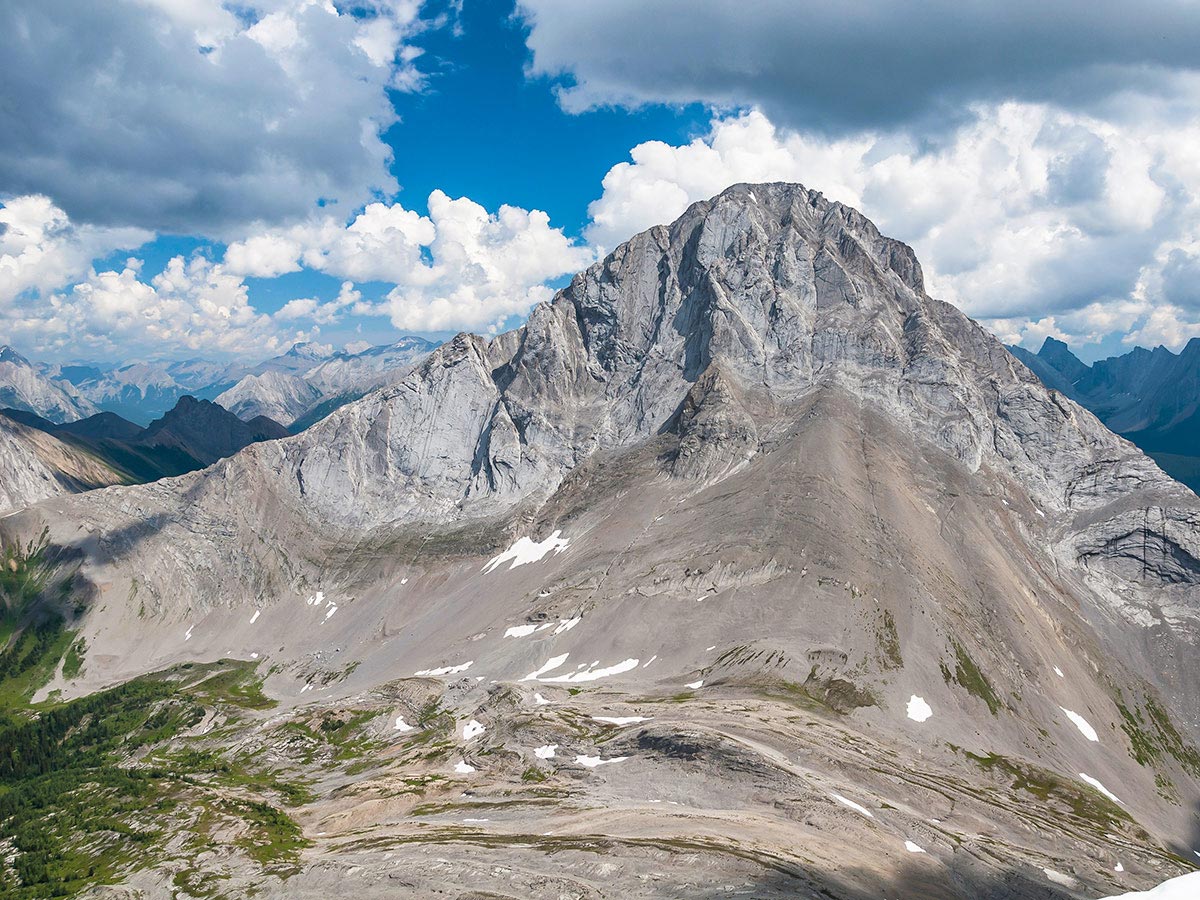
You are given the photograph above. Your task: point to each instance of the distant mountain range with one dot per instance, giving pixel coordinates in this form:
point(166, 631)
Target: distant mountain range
point(296, 388)
point(192, 435)
point(301, 383)
point(1151, 397)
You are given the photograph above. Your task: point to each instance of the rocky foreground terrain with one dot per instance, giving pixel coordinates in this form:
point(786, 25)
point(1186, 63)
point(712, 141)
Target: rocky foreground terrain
point(744, 568)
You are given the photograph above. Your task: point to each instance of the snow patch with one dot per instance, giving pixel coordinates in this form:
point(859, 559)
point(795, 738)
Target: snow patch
point(918, 709)
point(1059, 878)
point(565, 625)
point(621, 720)
point(546, 751)
point(854, 806)
point(1118, 868)
point(188, 636)
point(549, 665)
point(463, 768)
point(540, 700)
point(526, 550)
point(521, 630)
point(444, 670)
point(592, 761)
point(254, 618)
point(1082, 724)
point(1185, 887)
point(695, 685)
point(401, 725)
point(592, 673)
point(1094, 782)
point(913, 848)
point(650, 660)
point(472, 729)
point(329, 613)
point(1059, 672)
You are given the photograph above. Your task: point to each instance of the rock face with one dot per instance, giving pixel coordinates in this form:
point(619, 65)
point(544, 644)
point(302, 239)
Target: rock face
point(807, 555)
point(23, 387)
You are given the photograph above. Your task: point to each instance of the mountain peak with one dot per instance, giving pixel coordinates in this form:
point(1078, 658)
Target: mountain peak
point(309, 350)
point(8, 354)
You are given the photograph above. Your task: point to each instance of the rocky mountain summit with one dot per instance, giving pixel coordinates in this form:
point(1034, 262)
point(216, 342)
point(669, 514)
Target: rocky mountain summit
point(743, 567)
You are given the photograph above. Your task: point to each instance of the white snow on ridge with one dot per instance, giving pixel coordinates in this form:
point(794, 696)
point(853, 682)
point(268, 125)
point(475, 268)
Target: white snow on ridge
point(567, 624)
point(520, 630)
point(540, 700)
point(1094, 782)
point(592, 761)
point(621, 720)
point(444, 670)
point(1082, 724)
point(695, 685)
point(526, 550)
point(472, 730)
point(401, 725)
point(517, 631)
point(854, 806)
point(1185, 887)
point(913, 848)
point(918, 709)
point(463, 768)
point(546, 751)
point(553, 663)
point(1059, 878)
point(592, 674)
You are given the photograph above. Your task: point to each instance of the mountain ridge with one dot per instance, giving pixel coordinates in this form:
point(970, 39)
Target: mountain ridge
point(915, 567)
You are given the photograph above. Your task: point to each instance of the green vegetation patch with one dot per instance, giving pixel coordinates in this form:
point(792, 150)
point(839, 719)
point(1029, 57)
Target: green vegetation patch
point(970, 678)
point(1152, 735)
point(1084, 802)
point(94, 788)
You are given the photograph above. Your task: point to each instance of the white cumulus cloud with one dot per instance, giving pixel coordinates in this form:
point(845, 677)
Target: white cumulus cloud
point(199, 116)
point(459, 267)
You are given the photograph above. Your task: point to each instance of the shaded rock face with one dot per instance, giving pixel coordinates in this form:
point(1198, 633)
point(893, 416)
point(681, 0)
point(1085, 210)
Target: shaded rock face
point(1152, 397)
point(35, 466)
point(206, 431)
point(743, 478)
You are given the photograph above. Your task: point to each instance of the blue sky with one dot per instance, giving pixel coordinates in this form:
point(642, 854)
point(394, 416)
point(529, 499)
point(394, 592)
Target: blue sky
point(185, 177)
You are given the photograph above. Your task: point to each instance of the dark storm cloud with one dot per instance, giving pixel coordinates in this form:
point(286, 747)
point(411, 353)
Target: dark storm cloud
point(855, 65)
point(121, 114)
